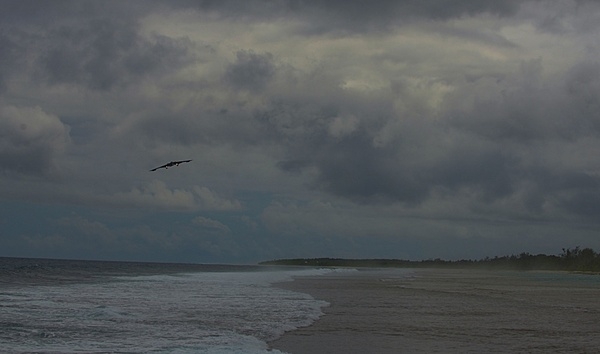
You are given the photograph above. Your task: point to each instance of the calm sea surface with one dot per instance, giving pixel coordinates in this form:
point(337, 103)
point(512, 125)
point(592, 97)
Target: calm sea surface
point(56, 306)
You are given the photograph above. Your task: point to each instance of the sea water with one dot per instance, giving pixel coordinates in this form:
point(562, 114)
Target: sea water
point(109, 307)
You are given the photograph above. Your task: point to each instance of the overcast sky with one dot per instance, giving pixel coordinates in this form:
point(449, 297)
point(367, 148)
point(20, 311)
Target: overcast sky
point(400, 129)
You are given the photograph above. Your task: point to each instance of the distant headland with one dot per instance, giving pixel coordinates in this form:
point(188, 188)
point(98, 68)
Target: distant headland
point(571, 259)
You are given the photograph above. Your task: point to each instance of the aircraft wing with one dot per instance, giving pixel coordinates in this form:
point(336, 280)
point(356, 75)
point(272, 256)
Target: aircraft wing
point(170, 164)
point(159, 167)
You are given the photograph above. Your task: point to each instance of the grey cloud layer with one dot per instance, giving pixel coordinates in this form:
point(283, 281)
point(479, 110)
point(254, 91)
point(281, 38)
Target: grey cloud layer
point(102, 55)
point(30, 140)
point(351, 15)
point(383, 108)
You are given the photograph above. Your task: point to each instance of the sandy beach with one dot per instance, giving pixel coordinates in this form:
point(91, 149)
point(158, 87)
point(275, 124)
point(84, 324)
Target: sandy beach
point(449, 311)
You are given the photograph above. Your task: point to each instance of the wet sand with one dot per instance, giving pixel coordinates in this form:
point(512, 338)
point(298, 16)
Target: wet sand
point(449, 311)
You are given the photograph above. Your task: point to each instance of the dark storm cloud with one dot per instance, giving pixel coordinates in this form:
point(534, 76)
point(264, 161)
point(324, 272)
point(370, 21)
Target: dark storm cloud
point(10, 52)
point(490, 171)
point(357, 170)
point(394, 11)
point(94, 44)
point(583, 91)
point(251, 71)
point(585, 203)
point(194, 126)
point(104, 53)
point(354, 168)
point(336, 15)
point(30, 140)
point(29, 14)
point(351, 165)
point(486, 150)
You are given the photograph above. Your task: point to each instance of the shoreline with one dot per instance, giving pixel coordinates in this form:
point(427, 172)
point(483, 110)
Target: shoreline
point(439, 311)
point(339, 329)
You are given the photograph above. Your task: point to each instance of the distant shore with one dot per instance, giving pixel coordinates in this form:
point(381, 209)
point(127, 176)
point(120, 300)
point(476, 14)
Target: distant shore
point(575, 259)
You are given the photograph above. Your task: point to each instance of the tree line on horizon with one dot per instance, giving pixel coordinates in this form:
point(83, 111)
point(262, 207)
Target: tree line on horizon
point(571, 259)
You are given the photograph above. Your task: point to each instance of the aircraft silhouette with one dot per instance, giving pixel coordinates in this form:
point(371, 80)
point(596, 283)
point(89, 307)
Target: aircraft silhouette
point(170, 164)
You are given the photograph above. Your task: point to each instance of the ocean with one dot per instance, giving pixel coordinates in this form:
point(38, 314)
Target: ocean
point(57, 306)
point(62, 306)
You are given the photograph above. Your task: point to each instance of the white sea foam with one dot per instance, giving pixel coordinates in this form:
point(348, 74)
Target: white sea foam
point(206, 312)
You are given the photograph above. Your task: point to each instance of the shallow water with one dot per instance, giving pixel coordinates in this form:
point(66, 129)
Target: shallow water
point(99, 307)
